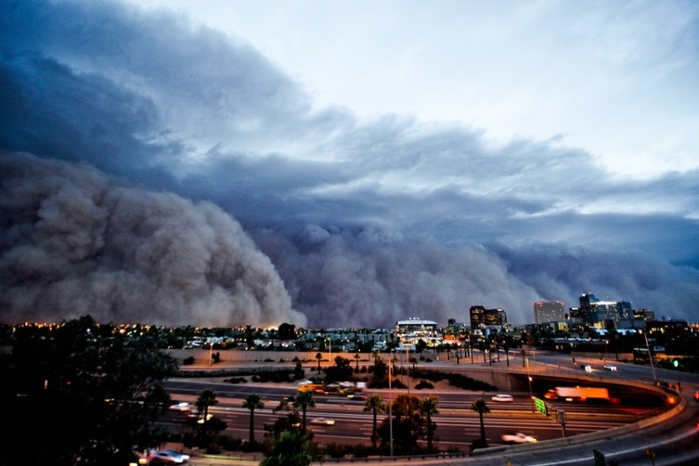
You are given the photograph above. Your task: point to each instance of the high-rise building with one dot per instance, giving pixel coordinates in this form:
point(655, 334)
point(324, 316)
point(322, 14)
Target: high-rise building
point(480, 316)
point(603, 313)
point(644, 314)
point(548, 311)
point(502, 316)
point(477, 315)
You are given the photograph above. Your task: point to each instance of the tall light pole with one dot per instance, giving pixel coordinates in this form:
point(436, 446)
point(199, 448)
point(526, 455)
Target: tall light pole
point(407, 360)
point(650, 356)
point(330, 351)
point(390, 405)
point(529, 378)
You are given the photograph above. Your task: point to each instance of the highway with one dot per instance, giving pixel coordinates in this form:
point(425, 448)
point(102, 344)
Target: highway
point(675, 442)
point(457, 424)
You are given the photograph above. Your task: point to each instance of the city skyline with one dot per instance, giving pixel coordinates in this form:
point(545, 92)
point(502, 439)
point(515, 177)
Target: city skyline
point(345, 163)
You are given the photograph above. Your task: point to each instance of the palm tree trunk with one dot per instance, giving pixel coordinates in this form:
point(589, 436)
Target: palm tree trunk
point(480, 415)
point(304, 419)
point(429, 432)
point(252, 425)
point(373, 432)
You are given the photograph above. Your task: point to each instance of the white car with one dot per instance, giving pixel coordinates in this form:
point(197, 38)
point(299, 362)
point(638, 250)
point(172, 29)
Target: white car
point(519, 437)
point(182, 407)
point(321, 421)
point(167, 457)
point(503, 398)
point(199, 417)
point(609, 367)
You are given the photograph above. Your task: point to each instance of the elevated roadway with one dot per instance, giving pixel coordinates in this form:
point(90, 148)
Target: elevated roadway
point(669, 439)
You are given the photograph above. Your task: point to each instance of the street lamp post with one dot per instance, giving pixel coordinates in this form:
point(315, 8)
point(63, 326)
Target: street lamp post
point(531, 395)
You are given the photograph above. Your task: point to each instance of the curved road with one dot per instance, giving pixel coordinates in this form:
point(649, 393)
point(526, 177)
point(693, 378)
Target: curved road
point(674, 442)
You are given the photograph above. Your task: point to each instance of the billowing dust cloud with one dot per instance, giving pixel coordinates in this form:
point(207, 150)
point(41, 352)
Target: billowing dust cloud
point(74, 242)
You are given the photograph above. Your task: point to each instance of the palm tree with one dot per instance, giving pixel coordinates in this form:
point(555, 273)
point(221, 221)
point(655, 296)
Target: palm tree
point(206, 398)
point(428, 407)
point(374, 403)
point(304, 400)
point(319, 357)
point(481, 407)
point(253, 402)
point(357, 357)
point(413, 361)
point(290, 450)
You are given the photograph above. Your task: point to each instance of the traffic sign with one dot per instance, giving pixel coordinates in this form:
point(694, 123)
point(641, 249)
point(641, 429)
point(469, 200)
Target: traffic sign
point(540, 406)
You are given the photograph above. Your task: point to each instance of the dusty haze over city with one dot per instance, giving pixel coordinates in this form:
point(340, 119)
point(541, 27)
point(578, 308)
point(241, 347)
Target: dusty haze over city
point(342, 164)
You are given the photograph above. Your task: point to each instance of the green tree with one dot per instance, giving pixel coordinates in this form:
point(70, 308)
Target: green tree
point(481, 407)
point(253, 402)
point(375, 404)
point(380, 369)
point(340, 371)
point(109, 387)
point(291, 420)
point(292, 449)
point(319, 357)
point(304, 400)
point(428, 408)
point(206, 398)
point(407, 422)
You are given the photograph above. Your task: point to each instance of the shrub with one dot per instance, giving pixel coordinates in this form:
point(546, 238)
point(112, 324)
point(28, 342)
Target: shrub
point(360, 450)
point(213, 448)
point(188, 361)
point(478, 443)
point(236, 380)
point(335, 450)
point(249, 447)
point(229, 443)
point(383, 383)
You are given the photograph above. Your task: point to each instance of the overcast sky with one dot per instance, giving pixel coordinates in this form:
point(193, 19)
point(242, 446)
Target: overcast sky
point(615, 78)
point(391, 159)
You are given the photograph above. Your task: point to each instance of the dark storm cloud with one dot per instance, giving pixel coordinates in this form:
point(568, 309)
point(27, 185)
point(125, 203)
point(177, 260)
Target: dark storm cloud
point(366, 222)
point(553, 272)
point(111, 85)
point(75, 242)
point(370, 276)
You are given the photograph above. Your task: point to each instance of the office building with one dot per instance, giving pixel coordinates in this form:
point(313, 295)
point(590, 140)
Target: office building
point(482, 317)
point(548, 311)
point(603, 314)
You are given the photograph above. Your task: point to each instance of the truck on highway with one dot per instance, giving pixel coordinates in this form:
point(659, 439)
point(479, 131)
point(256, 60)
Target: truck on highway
point(340, 388)
point(579, 394)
